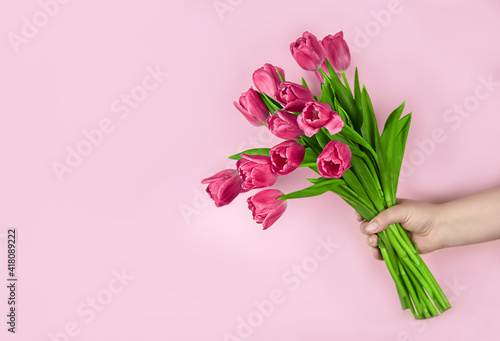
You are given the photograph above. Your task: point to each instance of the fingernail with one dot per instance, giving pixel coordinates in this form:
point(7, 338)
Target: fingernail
point(372, 226)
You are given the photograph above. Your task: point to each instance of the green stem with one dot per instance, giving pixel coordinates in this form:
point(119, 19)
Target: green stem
point(424, 298)
point(441, 298)
point(408, 248)
point(416, 303)
point(390, 263)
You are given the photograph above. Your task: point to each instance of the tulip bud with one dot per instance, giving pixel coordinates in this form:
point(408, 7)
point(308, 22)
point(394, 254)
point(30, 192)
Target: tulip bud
point(334, 160)
point(286, 157)
point(266, 207)
point(284, 125)
point(308, 52)
point(317, 115)
point(267, 80)
point(252, 107)
point(255, 171)
point(294, 96)
point(337, 51)
point(223, 187)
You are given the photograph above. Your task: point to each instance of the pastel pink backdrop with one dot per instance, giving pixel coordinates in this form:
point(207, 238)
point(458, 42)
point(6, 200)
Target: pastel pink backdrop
point(134, 204)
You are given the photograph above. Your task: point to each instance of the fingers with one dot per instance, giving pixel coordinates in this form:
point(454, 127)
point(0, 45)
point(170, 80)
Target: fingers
point(394, 214)
point(376, 254)
point(370, 227)
point(371, 240)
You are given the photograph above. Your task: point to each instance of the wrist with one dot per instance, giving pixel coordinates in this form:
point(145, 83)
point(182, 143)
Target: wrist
point(442, 226)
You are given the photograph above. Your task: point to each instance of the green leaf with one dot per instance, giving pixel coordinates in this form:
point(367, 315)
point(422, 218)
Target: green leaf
point(311, 143)
point(342, 113)
point(352, 135)
point(353, 199)
point(399, 150)
point(254, 151)
point(327, 96)
point(369, 128)
point(322, 137)
point(310, 156)
point(344, 96)
point(346, 83)
point(353, 182)
point(281, 77)
point(304, 83)
point(314, 190)
point(366, 213)
point(318, 180)
point(308, 164)
point(369, 182)
point(357, 90)
point(340, 138)
point(270, 103)
point(393, 144)
point(392, 120)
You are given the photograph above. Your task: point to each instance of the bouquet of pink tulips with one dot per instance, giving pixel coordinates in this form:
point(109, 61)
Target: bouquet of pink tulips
point(336, 135)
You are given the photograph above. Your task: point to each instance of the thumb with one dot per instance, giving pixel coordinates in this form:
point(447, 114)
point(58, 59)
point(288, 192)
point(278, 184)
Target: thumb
point(392, 215)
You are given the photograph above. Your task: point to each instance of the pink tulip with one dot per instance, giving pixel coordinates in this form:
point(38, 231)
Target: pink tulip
point(317, 115)
point(266, 207)
point(252, 107)
point(223, 187)
point(294, 96)
point(267, 80)
point(337, 51)
point(334, 160)
point(255, 171)
point(284, 125)
point(286, 157)
point(308, 52)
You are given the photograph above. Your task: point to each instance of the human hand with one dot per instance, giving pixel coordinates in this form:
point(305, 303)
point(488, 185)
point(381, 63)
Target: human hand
point(421, 220)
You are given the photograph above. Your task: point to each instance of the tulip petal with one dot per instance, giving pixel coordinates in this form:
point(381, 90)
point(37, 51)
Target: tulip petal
point(261, 159)
point(274, 215)
point(335, 124)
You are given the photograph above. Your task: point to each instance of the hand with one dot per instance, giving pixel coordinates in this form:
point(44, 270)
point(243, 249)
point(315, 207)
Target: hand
point(419, 219)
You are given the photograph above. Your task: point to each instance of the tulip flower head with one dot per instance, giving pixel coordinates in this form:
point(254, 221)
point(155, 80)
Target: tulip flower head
point(252, 107)
point(286, 157)
point(255, 171)
point(267, 80)
point(334, 160)
point(294, 96)
point(223, 187)
point(317, 115)
point(266, 207)
point(308, 52)
point(337, 51)
point(284, 125)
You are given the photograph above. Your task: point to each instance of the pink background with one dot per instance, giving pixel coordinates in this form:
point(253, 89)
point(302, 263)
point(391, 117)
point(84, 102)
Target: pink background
point(135, 202)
